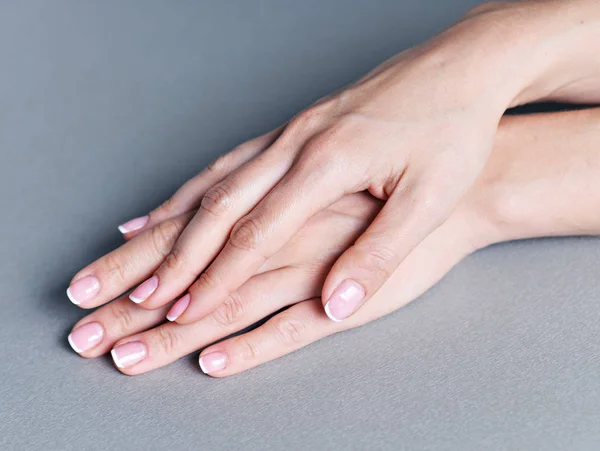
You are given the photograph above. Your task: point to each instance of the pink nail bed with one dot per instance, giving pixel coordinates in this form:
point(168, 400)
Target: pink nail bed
point(134, 224)
point(179, 307)
point(345, 300)
point(83, 290)
point(86, 337)
point(143, 291)
point(129, 354)
point(213, 361)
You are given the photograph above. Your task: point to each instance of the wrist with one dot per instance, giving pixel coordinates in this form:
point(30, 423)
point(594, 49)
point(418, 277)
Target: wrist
point(541, 179)
point(520, 52)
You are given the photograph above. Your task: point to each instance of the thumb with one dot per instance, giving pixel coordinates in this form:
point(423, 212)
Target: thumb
point(405, 220)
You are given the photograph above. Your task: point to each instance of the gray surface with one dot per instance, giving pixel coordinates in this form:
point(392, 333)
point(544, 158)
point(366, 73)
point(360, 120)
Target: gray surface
point(106, 107)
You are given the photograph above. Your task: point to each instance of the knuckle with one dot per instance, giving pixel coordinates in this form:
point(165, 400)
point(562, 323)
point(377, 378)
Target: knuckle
point(244, 147)
point(289, 331)
point(206, 282)
point(427, 199)
point(116, 268)
point(319, 146)
point(245, 348)
point(305, 120)
point(246, 235)
point(164, 235)
point(168, 339)
point(176, 260)
point(379, 259)
point(432, 205)
point(168, 207)
point(121, 317)
point(218, 199)
point(317, 156)
point(486, 7)
point(221, 165)
point(230, 311)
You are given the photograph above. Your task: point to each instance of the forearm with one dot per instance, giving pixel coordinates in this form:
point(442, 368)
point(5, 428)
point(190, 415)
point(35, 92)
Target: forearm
point(560, 41)
point(543, 178)
point(514, 53)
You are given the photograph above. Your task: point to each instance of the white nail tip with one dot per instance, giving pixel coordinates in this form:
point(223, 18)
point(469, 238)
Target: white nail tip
point(202, 366)
point(71, 298)
point(122, 229)
point(75, 348)
point(331, 317)
point(172, 318)
point(136, 300)
point(116, 359)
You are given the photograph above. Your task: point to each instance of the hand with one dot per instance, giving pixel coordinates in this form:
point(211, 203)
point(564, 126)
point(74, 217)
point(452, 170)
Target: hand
point(415, 133)
point(536, 158)
point(292, 278)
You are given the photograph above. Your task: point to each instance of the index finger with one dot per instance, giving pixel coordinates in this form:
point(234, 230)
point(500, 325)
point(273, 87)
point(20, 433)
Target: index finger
point(260, 234)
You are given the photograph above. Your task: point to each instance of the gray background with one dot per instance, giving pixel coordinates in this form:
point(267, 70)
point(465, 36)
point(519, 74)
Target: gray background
point(107, 107)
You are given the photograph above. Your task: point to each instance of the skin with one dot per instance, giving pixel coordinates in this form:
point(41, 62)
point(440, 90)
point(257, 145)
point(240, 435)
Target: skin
point(541, 180)
point(415, 133)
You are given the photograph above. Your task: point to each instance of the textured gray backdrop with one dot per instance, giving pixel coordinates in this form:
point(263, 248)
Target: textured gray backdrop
point(107, 107)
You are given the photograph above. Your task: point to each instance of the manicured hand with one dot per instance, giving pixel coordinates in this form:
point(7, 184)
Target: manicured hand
point(541, 180)
point(292, 278)
point(415, 133)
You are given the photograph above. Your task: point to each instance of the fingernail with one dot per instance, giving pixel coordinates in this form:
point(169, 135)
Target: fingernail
point(214, 361)
point(129, 354)
point(83, 290)
point(134, 224)
point(86, 337)
point(178, 308)
point(143, 291)
point(345, 300)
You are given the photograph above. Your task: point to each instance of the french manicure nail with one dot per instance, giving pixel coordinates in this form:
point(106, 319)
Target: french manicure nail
point(83, 290)
point(345, 300)
point(214, 361)
point(129, 354)
point(86, 337)
point(143, 291)
point(178, 308)
point(134, 224)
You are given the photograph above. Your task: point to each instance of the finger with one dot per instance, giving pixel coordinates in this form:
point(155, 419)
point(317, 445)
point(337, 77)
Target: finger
point(126, 266)
point(406, 219)
point(189, 196)
point(306, 189)
point(97, 333)
point(306, 322)
point(204, 237)
point(259, 297)
point(292, 329)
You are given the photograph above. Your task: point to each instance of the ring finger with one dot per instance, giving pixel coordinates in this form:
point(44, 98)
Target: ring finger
point(261, 296)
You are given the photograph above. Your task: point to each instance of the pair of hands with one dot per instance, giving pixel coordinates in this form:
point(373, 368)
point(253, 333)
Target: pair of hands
point(141, 340)
point(541, 180)
point(432, 129)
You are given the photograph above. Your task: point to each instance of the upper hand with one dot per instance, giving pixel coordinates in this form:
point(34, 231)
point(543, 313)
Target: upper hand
point(413, 133)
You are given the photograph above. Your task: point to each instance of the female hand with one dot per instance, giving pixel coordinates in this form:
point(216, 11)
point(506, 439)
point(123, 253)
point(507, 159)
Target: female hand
point(541, 180)
point(415, 132)
point(292, 278)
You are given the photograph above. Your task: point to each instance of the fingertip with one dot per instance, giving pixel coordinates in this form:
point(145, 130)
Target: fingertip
point(134, 224)
point(116, 359)
point(329, 314)
point(71, 297)
point(212, 363)
point(345, 300)
point(179, 308)
point(73, 345)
